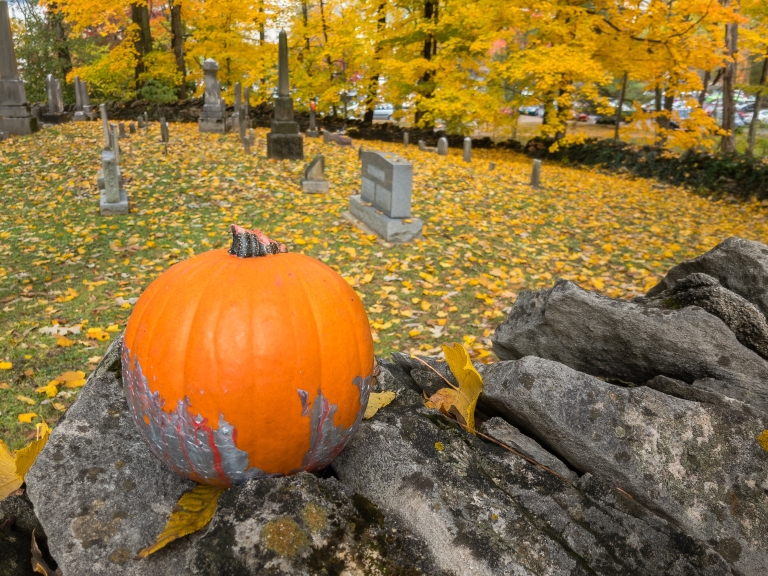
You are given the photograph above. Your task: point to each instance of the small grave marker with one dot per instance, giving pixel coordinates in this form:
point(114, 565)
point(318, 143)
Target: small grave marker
point(314, 181)
point(405, 139)
point(121, 130)
point(467, 149)
point(105, 124)
point(442, 146)
point(536, 174)
point(132, 128)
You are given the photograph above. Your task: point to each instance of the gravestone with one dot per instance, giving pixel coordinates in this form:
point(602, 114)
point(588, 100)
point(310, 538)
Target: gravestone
point(114, 198)
point(83, 108)
point(213, 118)
point(422, 145)
point(55, 114)
point(467, 156)
point(4, 136)
point(132, 128)
point(237, 104)
point(284, 142)
point(339, 139)
point(121, 133)
point(405, 139)
point(384, 203)
point(536, 174)
point(314, 181)
point(442, 146)
point(140, 121)
point(113, 142)
point(105, 124)
point(492, 166)
point(146, 119)
point(247, 106)
point(312, 130)
point(15, 114)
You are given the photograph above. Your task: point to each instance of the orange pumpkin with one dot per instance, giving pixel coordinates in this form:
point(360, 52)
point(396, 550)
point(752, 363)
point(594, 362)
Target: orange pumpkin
point(247, 363)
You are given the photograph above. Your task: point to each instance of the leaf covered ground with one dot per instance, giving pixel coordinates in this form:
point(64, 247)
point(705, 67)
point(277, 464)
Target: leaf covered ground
point(73, 274)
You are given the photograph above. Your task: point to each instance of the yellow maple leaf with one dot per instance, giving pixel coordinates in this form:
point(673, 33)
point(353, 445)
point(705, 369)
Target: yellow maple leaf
point(376, 402)
point(459, 402)
point(50, 389)
point(5, 365)
point(27, 417)
point(14, 467)
point(26, 400)
point(64, 342)
point(192, 512)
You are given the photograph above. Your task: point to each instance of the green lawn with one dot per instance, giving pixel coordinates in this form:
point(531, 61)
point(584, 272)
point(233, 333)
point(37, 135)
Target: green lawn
point(487, 237)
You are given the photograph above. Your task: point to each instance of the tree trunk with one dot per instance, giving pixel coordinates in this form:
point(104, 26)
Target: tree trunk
point(177, 41)
point(728, 142)
point(373, 85)
point(429, 50)
point(758, 102)
point(140, 17)
point(56, 22)
point(619, 110)
point(704, 88)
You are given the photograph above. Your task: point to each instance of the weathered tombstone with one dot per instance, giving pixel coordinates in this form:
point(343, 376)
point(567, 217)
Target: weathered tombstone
point(312, 130)
point(492, 166)
point(238, 103)
point(314, 181)
point(87, 108)
point(467, 149)
point(78, 96)
point(140, 121)
point(247, 106)
point(121, 128)
point(114, 199)
point(146, 119)
point(442, 146)
point(336, 138)
point(213, 119)
point(132, 128)
point(284, 142)
point(114, 144)
point(360, 152)
point(422, 145)
point(536, 174)
point(164, 134)
point(4, 136)
point(55, 114)
point(384, 203)
point(405, 139)
point(246, 145)
point(15, 114)
point(105, 124)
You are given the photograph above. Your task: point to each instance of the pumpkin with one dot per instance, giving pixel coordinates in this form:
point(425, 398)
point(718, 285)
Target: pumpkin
point(247, 363)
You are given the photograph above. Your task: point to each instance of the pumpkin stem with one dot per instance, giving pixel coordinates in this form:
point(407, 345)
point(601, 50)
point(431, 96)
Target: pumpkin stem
point(252, 243)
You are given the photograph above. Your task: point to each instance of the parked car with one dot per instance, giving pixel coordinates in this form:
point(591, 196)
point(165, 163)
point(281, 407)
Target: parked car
point(532, 110)
point(383, 112)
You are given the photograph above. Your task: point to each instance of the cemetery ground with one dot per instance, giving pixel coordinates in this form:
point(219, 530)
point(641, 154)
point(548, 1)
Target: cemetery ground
point(68, 277)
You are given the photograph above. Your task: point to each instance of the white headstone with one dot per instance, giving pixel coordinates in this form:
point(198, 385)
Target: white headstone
point(467, 149)
point(442, 146)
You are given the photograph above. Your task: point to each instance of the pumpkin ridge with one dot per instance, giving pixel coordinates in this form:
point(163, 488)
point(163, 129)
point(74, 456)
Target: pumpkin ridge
point(204, 296)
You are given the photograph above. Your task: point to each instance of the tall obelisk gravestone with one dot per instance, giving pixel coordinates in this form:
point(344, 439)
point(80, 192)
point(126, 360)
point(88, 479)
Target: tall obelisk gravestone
point(213, 118)
point(284, 141)
point(15, 114)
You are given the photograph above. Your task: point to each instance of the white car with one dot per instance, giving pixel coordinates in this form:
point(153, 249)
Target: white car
point(383, 112)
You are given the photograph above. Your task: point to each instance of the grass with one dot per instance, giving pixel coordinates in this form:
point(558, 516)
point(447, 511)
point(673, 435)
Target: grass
point(487, 237)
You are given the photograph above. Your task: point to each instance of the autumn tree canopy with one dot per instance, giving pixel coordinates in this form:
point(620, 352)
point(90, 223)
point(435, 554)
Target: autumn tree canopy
point(460, 63)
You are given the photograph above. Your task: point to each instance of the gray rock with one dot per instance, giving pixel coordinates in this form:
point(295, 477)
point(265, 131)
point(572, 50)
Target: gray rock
point(740, 265)
point(505, 433)
point(304, 525)
point(741, 316)
point(699, 465)
point(102, 497)
point(483, 510)
point(631, 342)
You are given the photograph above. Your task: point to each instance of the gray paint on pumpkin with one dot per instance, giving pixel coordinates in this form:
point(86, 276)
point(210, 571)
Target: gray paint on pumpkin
point(190, 447)
point(186, 443)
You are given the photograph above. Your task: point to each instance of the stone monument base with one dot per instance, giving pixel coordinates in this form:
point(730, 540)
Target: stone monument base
point(312, 134)
point(390, 229)
point(315, 186)
point(19, 126)
point(213, 125)
point(285, 146)
point(80, 117)
point(113, 208)
point(60, 118)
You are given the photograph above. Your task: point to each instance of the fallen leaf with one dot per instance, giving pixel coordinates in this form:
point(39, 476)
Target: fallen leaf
point(27, 417)
point(64, 342)
point(9, 481)
point(192, 512)
point(14, 467)
point(38, 564)
point(460, 402)
point(5, 365)
point(50, 389)
point(26, 400)
point(4, 386)
point(376, 402)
